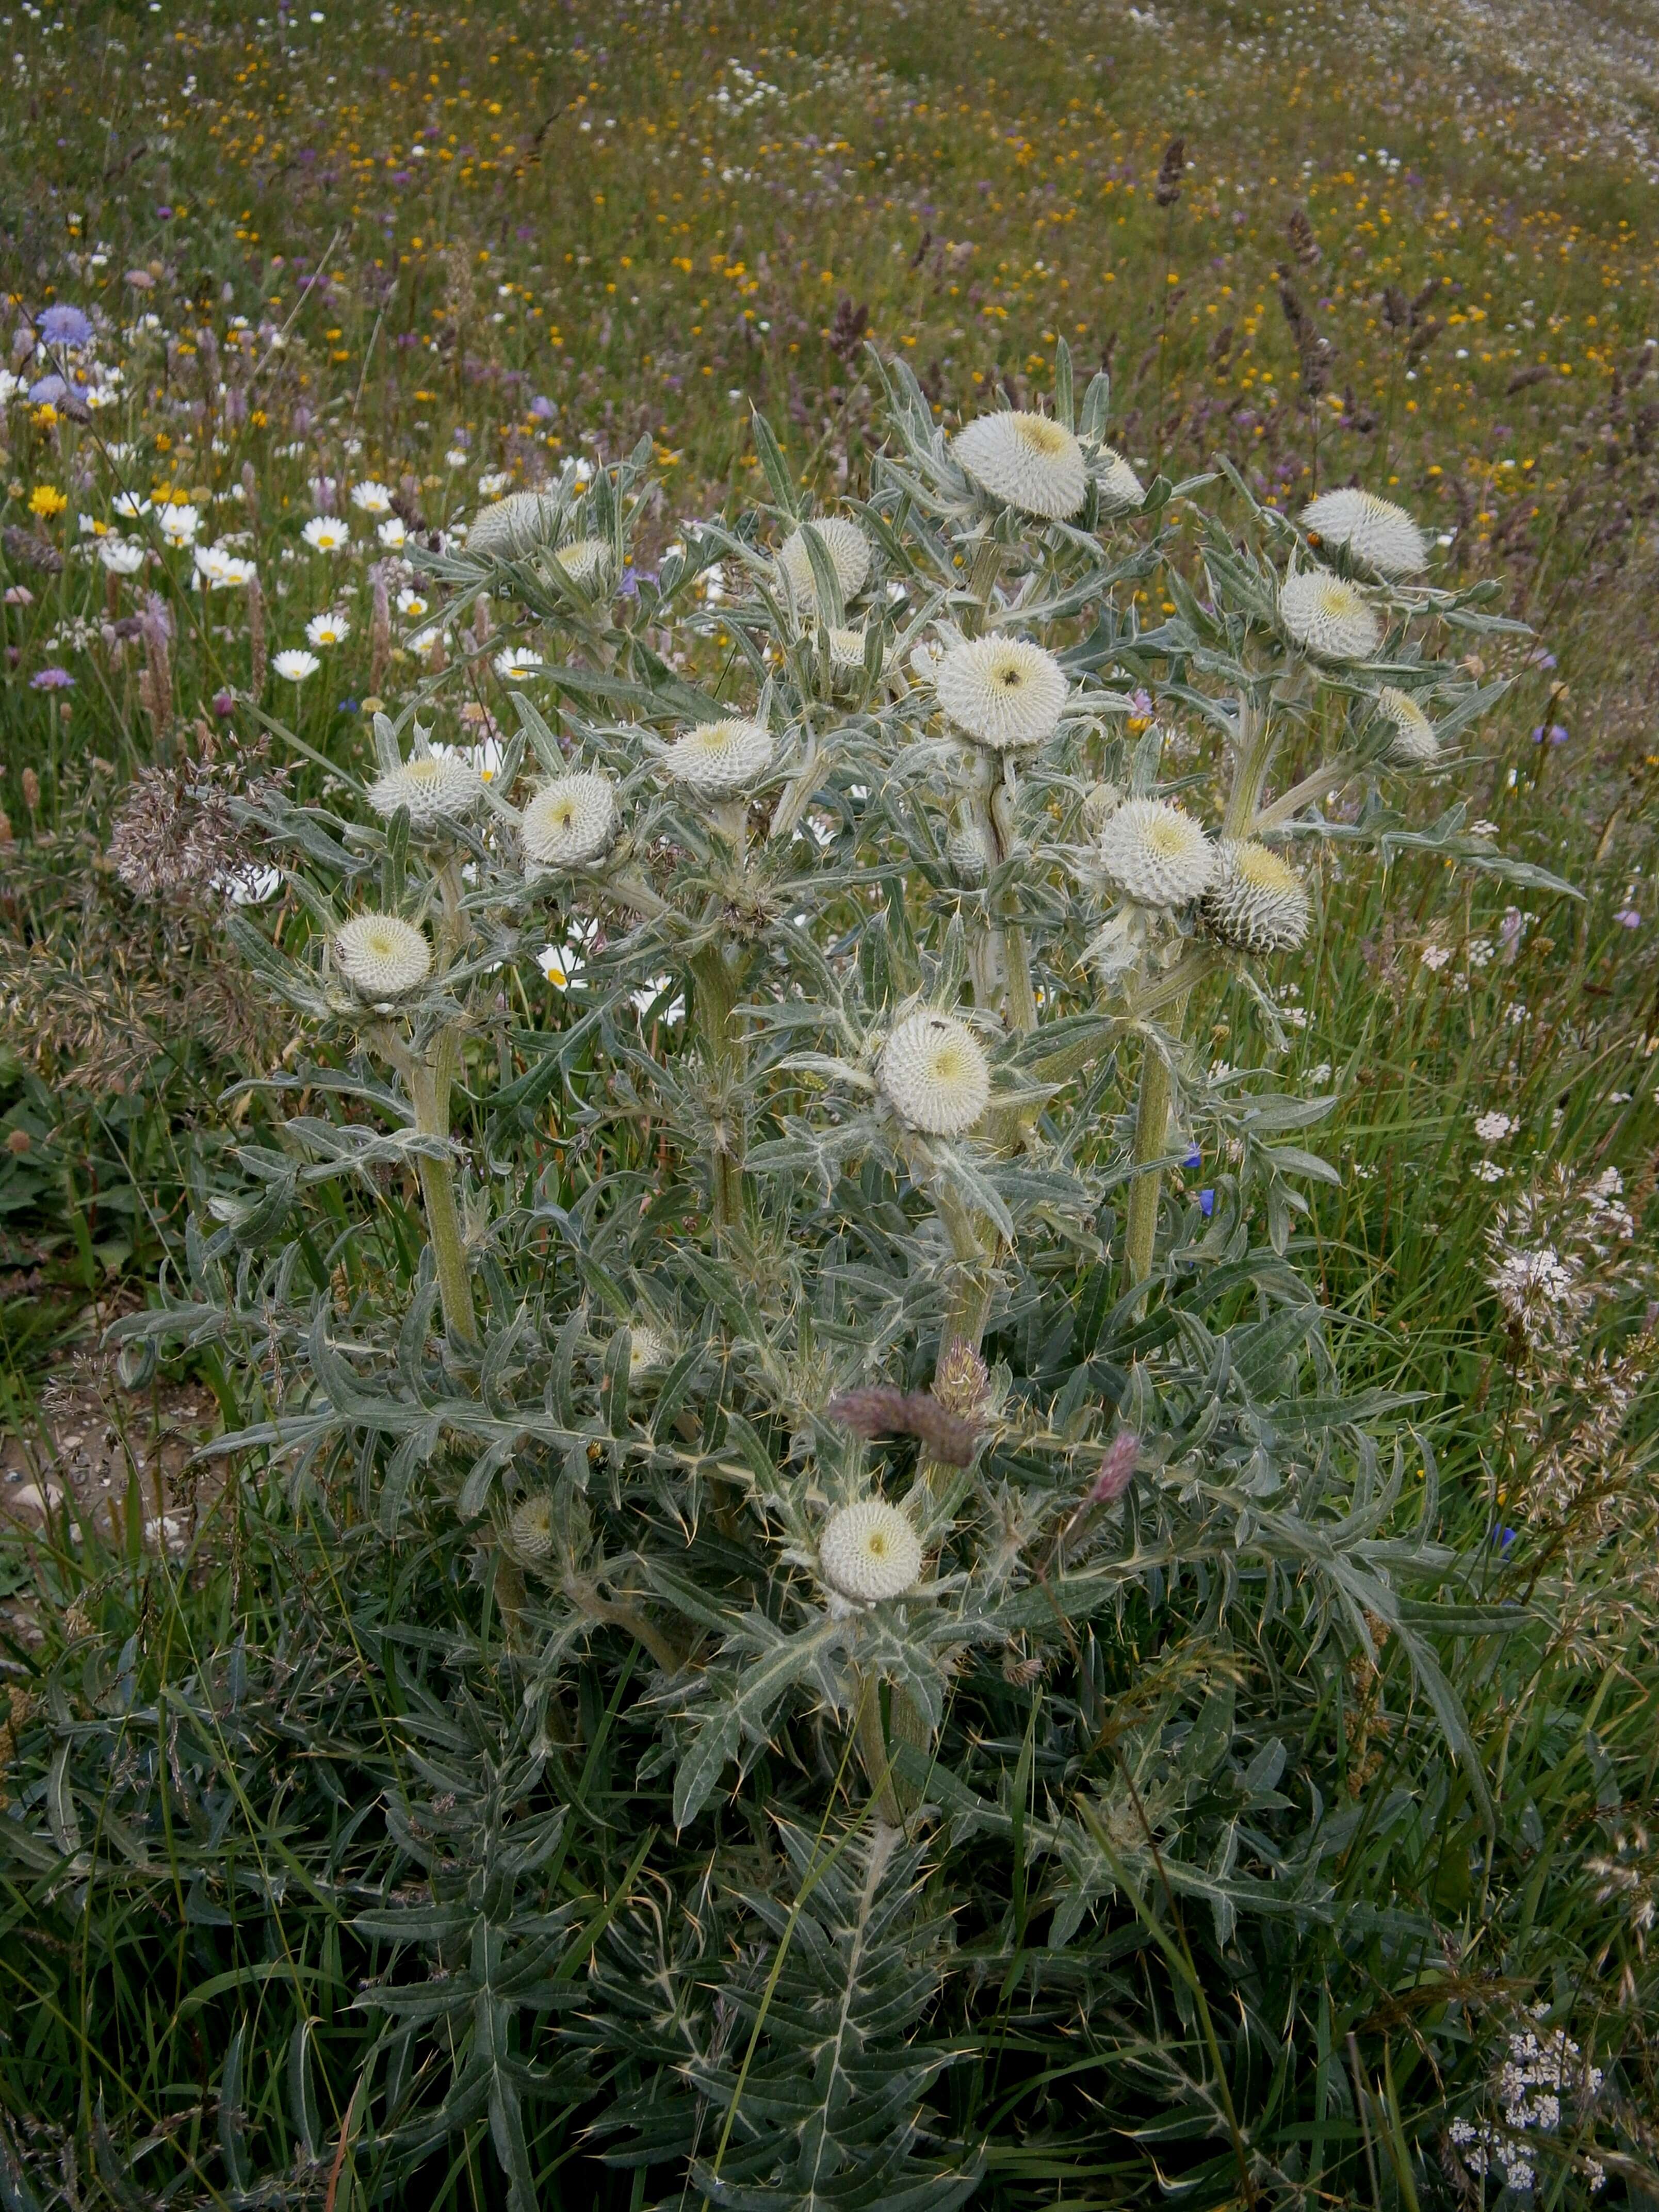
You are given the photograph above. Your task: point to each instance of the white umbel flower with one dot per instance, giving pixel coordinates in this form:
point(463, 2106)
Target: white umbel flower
point(512, 527)
point(934, 1074)
point(869, 1552)
point(1329, 615)
point(1257, 902)
point(1156, 854)
point(721, 760)
point(1415, 745)
point(849, 556)
point(1034, 464)
point(530, 1526)
point(434, 788)
point(383, 955)
point(1004, 691)
point(570, 821)
point(1119, 484)
point(584, 562)
point(1373, 531)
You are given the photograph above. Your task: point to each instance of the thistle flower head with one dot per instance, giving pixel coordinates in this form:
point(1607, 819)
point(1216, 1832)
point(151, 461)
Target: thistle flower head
point(1003, 691)
point(1156, 854)
point(869, 1552)
point(934, 1074)
point(1257, 901)
point(648, 1350)
point(384, 955)
point(1119, 484)
point(1415, 745)
point(1373, 531)
point(584, 562)
point(847, 650)
point(967, 848)
point(434, 786)
point(510, 528)
point(529, 1527)
point(963, 1384)
point(1032, 463)
point(1100, 803)
point(848, 551)
point(570, 821)
point(721, 760)
point(1329, 616)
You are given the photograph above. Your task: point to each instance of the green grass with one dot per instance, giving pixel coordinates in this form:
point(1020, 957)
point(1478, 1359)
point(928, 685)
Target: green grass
point(980, 183)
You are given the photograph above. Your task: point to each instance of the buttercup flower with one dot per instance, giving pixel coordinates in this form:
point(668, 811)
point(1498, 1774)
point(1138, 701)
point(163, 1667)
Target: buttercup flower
point(530, 1525)
point(327, 629)
point(1257, 901)
point(1034, 464)
point(434, 786)
point(1156, 854)
point(324, 535)
point(1329, 615)
point(721, 760)
point(849, 550)
point(1006, 691)
point(1414, 744)
point(295, 663)
point(1373, 531)
point(934, 1074)
point(383, 955)
point(570, 821)
point(869, 1552)
point(513, 526)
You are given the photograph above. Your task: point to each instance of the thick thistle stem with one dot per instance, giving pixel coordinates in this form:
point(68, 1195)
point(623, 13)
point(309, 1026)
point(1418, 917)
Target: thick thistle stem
point(1151, 1139)
point(429, 1083)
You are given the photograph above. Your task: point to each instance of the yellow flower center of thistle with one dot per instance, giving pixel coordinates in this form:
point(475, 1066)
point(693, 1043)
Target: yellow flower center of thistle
point(1166, 839)
point(1263, 870)
point(1042, 436)
point(382, 941)
point(950, 1063)
point(1337, 597)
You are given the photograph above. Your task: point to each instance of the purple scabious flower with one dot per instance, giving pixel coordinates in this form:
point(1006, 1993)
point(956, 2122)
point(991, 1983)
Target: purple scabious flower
point(52, 679)
point(48, 390)
point(64, 325)
point(1628, 918)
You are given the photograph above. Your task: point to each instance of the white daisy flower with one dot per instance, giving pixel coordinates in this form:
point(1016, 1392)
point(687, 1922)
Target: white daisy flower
point(392, 532)
point(1415, 745)
point(516, 663)
point(1257, 901)
point(1329, 615)
point(1156, 854)
point(1373, 531)
point(434, 788)
point(848, 552)
point(562, 964)
point(130, 507)
point(1004, 691)
point(383, 955)
point(295, 663)
point(411, 603)
point(370, 497)
point(513, 526)
point(120, 555)
point(571, 821)
point(179, 524)
point(869, 1552)
point(324, 534)
point(721, 760)
point(327, 629)
point(934, 1074)
point(1032, 463)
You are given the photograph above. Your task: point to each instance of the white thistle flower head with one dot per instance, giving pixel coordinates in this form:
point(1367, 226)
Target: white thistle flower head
point(530, 1526)
point(434, 786)
point(512, 527)
point(869, 1552)
point(571, 821)
point(1156, 854)
point(1003, 691)
point(648, 1351)
point(1032, 463)
point(847, 650)
point(848, 551)
point(967, 848)
point(1330, 616)
point(584, 562)
point(934, 1074)
point(721, 760)
point(1119, 484)
point(1372, 531)
point(1415, 745)
point(1257, 902)
point(383, 955)
point(1101, 802)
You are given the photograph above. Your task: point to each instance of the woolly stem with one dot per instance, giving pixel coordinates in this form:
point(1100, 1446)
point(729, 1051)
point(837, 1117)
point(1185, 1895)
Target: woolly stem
point(430, 1080)
point(1253, 753)
point(716, 998)
point(873, 1750)
point(1022, 1000)
point(1151, 1139)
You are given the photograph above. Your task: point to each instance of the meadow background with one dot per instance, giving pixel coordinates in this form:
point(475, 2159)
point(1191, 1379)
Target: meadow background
point(437, 253)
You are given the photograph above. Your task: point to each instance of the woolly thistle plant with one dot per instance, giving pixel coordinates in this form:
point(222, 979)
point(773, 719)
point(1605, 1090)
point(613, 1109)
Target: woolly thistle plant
point(843, 1374)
